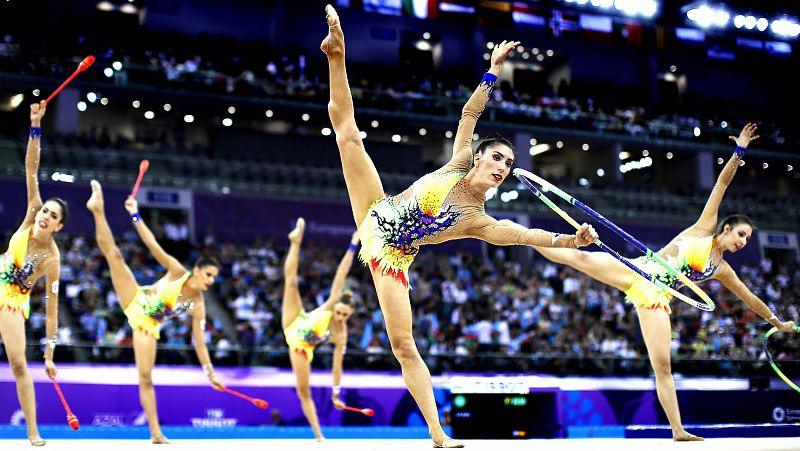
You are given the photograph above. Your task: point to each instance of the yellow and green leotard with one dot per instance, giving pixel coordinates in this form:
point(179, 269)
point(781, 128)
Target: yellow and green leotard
point(154, 304)
point(693, 260)
point(308, 331)
point(436, 208)
point(16, 267)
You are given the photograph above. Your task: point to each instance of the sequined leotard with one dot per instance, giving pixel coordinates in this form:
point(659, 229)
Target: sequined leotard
point(154, 304)
point(308, 331)
point(16, 269)
point(438, 207)
point(693, 258)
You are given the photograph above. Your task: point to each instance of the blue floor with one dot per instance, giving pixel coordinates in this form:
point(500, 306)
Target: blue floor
point(239, 432)
point(383, 432)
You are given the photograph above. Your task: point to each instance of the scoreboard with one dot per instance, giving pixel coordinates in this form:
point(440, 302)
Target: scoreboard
point(502, 408)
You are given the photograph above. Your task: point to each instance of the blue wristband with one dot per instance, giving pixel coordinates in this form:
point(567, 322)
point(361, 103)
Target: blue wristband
point(740, 151)
point(352, 247)
point(488, 80)
point(36, 132)
point(136, 217)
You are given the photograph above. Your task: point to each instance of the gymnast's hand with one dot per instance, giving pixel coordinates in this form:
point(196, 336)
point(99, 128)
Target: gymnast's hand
point(788, 326)
point(216, 384)
point(37, 113)
point(339, 405)
point(50, 368)
point(746, 136)
point(501, 51)
point(585, 236)
point(131, 205)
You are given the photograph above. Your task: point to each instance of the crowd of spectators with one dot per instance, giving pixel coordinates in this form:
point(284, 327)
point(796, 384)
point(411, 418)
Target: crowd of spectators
point(470, 313)
point(174, 62)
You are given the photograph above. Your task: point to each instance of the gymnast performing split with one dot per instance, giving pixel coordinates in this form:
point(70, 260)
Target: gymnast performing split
point(147, 307)
point(32, 253)
point(697, 253)
point(445, 205)
point(304, 331)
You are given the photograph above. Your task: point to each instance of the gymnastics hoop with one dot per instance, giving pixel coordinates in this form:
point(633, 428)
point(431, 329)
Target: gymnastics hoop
point(772, 362)
point(527, 177)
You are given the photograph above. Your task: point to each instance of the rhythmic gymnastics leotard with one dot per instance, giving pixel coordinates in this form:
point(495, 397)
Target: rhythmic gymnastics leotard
point(693, 259)
point(308, 331)
point(16, 268)
point(438, 207)
point(154, 304)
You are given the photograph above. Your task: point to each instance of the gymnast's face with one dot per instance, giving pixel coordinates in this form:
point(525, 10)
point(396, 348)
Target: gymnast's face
point(341, 312)
point(494, 164)
point(205, 276)
point(48, 218)
point(734, 239)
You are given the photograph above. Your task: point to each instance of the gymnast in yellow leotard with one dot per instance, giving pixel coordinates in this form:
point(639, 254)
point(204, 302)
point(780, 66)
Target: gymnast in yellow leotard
point(447, 204)
point(698, 253)
point(32, 253)
point(147, 307)
point(304, 331)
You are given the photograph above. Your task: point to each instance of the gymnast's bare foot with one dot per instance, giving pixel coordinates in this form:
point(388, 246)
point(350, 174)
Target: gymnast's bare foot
point(448, 443)
point(684, 436)
point(159, 439)
point(333, 44)
point(95, 203)
point(296, 235)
